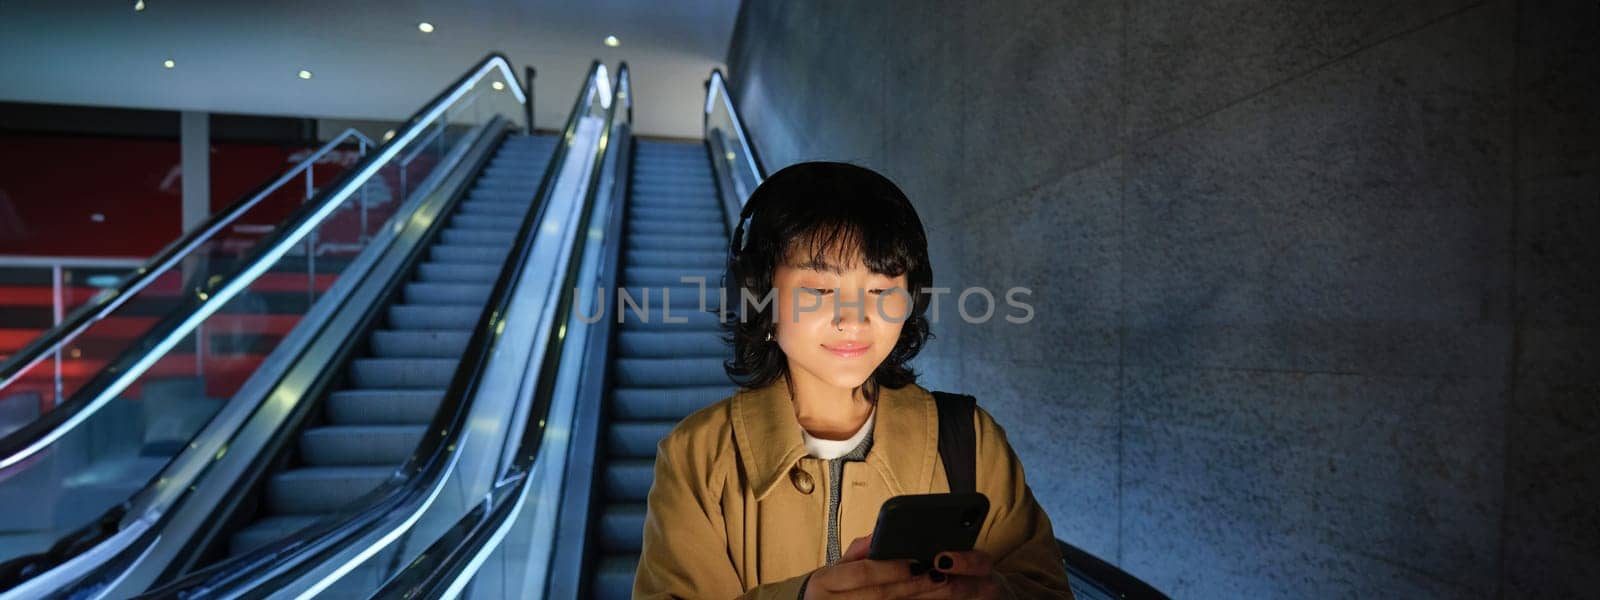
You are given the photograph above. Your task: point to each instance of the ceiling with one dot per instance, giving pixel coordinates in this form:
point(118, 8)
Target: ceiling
point(368, 58)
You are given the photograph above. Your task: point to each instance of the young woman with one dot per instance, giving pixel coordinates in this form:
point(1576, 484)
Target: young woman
point(774, 491)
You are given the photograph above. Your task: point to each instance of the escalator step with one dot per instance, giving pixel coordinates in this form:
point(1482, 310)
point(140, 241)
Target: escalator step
point(670, 276)
point(457, 273)
point(665, 404)
point(315, 490)
point(668, 372)
point(691, 321)
point(622, 528)
point(410, 316)
point(682, 298)
point(640, 344)
point(678, 259)
point(483, 222)
point(415, 343)
point(493, 206)
point(403, 373)
point(477, 237)
point(613, 576)
point(644, 242)
point(685, 214)
point(382, 407)
point(451, 253)
point(628, 480)
point(455, 294)
point(340, 445)
point(636, 439)
point(670, 228)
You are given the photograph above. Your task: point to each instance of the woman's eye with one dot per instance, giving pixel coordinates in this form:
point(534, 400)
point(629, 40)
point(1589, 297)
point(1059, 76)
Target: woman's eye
point(820, 291)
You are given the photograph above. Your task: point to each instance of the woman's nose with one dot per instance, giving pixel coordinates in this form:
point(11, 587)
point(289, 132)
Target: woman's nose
point(851, 311)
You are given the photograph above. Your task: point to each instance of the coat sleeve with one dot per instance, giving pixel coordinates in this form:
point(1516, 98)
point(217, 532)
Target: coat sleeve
point(1019, 538)
point(685, 552)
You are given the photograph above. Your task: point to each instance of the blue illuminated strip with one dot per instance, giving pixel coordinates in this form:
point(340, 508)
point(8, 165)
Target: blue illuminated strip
point(210, 305)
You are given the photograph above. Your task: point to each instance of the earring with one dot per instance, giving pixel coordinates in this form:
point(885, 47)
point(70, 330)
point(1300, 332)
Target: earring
point(769, 336)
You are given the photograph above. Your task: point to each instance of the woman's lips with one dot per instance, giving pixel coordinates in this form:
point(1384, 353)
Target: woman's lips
point(847, 350)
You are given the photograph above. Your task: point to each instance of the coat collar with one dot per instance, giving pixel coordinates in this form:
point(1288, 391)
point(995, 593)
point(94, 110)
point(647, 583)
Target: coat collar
point(904, 446)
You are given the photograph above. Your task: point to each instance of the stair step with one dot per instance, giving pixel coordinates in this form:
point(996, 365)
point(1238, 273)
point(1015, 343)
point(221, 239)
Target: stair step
point(628, 479)
point(454, 254)
point(642, 344)
point(457, 273)
point(420, 343)
point(402, 373)
point(646, 243)
point(670, 228)
point(411, 316)
point(635, 439)
point(664, 404)
point(344, 445)
point(478, 237)
point(456, 294)
point(383, 406)
point(655, 319)
point(672, 277)
point(669, 372)
point(613, 577)
point(483, 222)
point(678, 259)
point(321, 490)
point(622, 528)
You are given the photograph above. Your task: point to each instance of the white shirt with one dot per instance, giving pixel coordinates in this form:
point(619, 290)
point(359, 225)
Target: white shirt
point(831, 449)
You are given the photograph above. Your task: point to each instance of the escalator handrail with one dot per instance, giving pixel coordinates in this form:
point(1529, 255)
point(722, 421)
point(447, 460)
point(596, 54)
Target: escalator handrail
point(289, 559)
point(452, 559)
point(106, 384)
point(1106, 576)
point(717, 87)
point(161, 262)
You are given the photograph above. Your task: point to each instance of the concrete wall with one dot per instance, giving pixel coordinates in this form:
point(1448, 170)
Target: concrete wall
point(1313, 281)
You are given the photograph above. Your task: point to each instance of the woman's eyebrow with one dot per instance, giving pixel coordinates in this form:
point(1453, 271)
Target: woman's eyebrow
point(820, 265)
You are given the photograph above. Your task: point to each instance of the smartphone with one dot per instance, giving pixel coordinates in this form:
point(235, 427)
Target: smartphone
point(920, 526)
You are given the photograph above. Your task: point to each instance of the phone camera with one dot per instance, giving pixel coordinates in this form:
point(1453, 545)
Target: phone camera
point(969, 518)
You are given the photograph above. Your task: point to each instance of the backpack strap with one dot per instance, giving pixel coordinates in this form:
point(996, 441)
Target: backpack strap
point(958, 446)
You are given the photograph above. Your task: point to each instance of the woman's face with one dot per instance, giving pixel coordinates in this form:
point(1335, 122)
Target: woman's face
point(838, 321)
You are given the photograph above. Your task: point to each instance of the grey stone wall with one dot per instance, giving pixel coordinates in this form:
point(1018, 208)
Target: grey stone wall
point(1314, 282)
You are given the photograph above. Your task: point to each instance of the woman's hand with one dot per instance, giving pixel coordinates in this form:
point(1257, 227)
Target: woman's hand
point(967, 574)
point(858, 578)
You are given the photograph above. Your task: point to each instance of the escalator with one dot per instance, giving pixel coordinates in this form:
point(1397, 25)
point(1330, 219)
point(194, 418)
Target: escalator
point(660, 371)
point(242, 425)
point(374, 419)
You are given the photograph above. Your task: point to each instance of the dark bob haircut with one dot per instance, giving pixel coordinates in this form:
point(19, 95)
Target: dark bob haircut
point(813, 209)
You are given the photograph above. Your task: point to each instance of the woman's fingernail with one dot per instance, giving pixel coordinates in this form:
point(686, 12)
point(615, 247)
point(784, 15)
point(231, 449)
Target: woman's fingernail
point(918, 568)
point(945, 562)
point(937, 577)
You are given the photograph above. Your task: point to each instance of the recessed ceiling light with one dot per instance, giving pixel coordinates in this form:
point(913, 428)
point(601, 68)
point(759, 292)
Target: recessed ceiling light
point(498, 86)
point(425, 27)
point(169, 63)
point(612, 41)
point(138, 6)
point(304, 74)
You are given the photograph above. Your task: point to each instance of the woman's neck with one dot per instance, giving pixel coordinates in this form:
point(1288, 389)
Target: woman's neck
point(826, 411)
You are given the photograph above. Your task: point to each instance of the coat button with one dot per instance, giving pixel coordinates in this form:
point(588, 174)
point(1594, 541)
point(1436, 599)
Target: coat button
point(802, 480)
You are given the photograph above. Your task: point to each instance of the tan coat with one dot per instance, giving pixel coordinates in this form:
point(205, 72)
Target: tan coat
point(732, 513)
